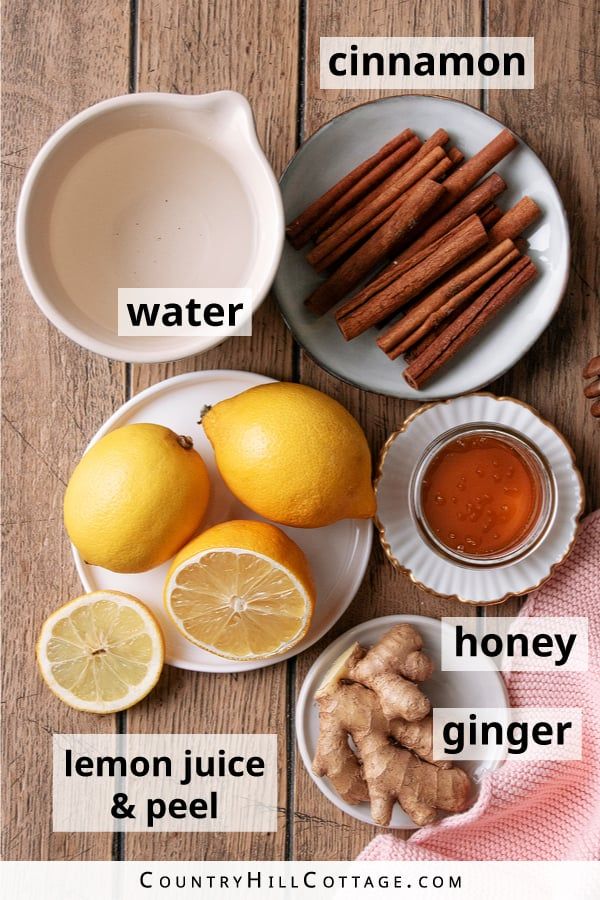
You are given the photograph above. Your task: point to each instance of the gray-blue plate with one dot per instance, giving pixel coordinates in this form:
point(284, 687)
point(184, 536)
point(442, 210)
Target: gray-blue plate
point(339, 146)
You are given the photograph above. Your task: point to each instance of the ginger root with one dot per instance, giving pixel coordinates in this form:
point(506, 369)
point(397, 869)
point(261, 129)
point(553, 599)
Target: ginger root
point(382, 771)
point(391, 667)
point(418, 737)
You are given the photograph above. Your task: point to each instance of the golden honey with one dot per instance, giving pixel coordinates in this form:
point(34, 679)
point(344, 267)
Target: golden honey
point(481, 494)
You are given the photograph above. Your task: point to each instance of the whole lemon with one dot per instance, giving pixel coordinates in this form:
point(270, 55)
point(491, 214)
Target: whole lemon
point(136, 497)
point(292, 454)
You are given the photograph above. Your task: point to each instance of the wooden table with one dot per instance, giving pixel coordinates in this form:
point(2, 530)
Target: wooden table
point(61, 56)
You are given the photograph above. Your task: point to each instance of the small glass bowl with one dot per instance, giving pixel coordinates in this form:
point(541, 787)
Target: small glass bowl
point(540, 471)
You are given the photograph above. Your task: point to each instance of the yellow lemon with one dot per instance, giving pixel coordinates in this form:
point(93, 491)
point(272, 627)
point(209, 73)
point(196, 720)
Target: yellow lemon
point(136, 497)
point(292, 454)
point(102, 652)
point(242, 590)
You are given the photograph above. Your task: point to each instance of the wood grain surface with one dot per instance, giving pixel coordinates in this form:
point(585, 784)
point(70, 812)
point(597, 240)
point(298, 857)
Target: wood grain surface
point(55, 396)
point(62, 56)
point(189, 48)
point(320, 830)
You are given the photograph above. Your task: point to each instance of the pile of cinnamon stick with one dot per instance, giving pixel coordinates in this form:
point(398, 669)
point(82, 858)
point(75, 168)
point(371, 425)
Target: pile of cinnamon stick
point(452, 258)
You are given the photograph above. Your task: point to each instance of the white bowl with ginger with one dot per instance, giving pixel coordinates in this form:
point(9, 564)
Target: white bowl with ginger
point(376, 805)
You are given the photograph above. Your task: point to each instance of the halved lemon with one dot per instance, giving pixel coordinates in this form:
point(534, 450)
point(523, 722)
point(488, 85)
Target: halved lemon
point(102, 652)
point(242, 590)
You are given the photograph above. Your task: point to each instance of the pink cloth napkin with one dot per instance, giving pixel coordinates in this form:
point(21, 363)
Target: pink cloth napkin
point(535, 810)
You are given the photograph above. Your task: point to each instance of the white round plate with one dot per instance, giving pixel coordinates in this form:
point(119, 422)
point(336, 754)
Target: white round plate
point(339, 146)
point(444, 689)
point(401, 539)
point(338, 554)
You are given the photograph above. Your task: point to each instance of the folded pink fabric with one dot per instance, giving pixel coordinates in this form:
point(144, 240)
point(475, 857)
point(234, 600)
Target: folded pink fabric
point(535, 810)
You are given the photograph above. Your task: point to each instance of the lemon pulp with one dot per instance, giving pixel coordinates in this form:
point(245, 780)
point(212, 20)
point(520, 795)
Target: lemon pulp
point(242, 590)
point(102, 652)
point(238, 604)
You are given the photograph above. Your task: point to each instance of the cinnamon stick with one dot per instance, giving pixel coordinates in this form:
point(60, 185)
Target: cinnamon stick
point(439, 319)
point(380, 200)
point(415, 351)
point(438, 170)
point(490, 215)
point(455, 156)
point(456, 283)
point(437, 139)
point(340, 252)
point(460, 182)
point(475, 201)
point(515, 220)
point(432, 311)
point(392, 272)
point(511, 224)
point(312, 212)
point(352, 187)
point(368, 228)
point(383, 242)
point(498, 295)
point(354, 320)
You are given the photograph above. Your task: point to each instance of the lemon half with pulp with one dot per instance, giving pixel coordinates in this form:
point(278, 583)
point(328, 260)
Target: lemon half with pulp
point(242, 590)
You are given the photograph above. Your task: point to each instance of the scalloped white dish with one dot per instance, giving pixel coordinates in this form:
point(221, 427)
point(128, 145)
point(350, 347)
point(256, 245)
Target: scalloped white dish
point(444, 689)
point(338, 554)
point(343, 143)
point(402, 540)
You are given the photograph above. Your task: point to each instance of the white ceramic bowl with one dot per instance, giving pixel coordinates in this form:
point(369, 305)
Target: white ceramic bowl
point(147, 190)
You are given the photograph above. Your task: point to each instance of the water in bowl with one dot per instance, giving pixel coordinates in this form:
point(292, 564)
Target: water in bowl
point(151, 207)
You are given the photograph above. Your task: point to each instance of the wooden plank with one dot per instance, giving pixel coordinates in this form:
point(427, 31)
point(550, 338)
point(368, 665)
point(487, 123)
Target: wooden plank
point(564, 101)
point(61, 56)
point(199, 47)
point(320, 830)
point(559, 121)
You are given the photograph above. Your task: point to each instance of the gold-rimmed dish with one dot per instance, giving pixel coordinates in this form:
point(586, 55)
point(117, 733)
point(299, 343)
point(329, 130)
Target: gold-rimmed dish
point(404, 542)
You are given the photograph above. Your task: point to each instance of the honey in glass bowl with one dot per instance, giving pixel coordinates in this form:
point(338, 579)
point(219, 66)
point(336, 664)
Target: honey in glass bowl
point(483, 495)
